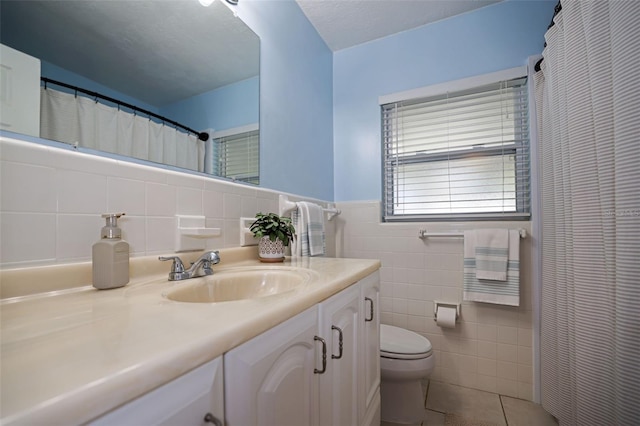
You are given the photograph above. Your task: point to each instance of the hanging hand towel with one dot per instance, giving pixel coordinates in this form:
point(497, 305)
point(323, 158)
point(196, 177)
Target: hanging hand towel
point(489, 291)
point(308, 220)
point(492, 254)
point(296, 242)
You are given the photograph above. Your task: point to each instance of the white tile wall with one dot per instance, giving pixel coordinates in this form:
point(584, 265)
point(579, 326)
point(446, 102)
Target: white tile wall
point(491, 347)
point(50, 206)
point(27, 237)
point(51, 200)
point(29, 188)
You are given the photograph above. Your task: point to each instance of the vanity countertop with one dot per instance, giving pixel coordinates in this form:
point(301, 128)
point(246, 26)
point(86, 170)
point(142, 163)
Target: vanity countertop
point(71, 355)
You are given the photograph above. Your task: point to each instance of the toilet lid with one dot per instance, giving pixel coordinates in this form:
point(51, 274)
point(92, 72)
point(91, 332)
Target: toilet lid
point(396, 341)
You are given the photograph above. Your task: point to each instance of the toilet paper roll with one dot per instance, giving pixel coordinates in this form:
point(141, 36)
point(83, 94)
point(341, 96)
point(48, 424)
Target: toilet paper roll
point(446, 317)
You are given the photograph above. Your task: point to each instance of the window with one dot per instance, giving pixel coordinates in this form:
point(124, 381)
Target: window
point(237, 156)
point(458, 155)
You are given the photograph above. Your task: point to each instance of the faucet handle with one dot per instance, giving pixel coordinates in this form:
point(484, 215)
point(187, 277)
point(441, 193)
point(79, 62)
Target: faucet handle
point(176, 266)
point(209, 259)
point(214, 257)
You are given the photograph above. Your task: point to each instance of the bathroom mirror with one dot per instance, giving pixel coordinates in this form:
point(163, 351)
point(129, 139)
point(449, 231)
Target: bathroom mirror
point(171, 57)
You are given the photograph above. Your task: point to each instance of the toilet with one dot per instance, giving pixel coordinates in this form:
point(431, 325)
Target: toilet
point(406, 358)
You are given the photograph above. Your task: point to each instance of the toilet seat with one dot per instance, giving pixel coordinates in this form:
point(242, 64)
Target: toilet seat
point(398, 343)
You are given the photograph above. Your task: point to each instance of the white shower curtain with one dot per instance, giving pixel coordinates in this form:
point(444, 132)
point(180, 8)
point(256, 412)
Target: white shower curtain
point(588, 107)
point(77, 119)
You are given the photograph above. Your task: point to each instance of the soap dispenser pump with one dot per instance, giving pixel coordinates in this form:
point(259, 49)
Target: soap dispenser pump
point(110, 256)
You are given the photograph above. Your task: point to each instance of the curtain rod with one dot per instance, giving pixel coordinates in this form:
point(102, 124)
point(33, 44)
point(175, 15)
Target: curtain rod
point(203, 136)
point(556, 10)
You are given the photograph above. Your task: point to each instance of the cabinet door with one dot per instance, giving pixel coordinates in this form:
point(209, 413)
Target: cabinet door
point(270, 379)
point(370, 366)
point(185, 401)
point(340, 327)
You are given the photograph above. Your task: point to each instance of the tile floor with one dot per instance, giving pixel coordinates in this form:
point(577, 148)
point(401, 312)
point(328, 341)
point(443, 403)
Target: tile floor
point(471, 407)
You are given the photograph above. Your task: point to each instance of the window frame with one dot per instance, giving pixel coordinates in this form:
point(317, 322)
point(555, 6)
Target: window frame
point(517, 149)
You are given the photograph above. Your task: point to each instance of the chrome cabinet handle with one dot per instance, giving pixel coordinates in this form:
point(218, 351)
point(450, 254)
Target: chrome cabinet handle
point(333, 327)
point(324, 355)
point(210, 418)
point(370, 310)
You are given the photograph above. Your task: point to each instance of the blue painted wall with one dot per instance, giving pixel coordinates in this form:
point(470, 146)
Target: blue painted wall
point(490, 39)
point(296, 101)
point(224, 108)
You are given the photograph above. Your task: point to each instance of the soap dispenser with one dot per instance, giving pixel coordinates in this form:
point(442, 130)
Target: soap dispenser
point(110, 256)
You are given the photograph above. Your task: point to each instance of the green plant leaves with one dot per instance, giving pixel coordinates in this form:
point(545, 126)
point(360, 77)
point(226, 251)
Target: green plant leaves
point(273, 226)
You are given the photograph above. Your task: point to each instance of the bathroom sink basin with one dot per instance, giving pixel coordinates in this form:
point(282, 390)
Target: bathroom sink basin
point(239, 284)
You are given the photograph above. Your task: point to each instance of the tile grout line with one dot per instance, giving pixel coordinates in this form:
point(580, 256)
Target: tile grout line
point(426, 395)
point(500, 398)
point(504, 414)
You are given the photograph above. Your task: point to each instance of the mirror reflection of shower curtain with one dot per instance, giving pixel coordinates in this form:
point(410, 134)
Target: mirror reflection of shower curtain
point(78, 119)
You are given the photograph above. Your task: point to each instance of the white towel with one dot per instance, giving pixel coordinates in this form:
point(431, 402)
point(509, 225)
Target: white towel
point(308, 220)
point(492, 254)
point(489, 291)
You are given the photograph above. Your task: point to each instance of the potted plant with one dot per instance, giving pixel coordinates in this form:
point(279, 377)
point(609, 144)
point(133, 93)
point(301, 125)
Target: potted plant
point(274, 234)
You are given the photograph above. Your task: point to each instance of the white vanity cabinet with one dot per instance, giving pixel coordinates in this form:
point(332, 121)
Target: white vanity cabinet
point(297, 374)
point(270, 379)
point(340, 325)
point(369, 377)
point(193, 399)
point(321, 367)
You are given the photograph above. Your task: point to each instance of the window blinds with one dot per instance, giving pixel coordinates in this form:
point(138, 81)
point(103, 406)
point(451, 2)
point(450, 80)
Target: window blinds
point(238, 156)
point(458, 155)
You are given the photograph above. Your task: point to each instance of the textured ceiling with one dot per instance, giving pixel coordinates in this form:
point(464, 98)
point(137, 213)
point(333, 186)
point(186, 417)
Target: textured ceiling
point(158, 51)
point(346, 23)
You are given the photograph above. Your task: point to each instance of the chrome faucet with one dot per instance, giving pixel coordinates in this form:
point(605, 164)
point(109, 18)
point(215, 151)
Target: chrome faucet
point(199, 268)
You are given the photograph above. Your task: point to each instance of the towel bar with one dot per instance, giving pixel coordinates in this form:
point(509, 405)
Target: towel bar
point(423, 233)
point(287, 206)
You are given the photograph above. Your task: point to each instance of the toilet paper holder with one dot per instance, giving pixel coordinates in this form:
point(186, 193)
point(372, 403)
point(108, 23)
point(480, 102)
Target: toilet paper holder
point(437, 304)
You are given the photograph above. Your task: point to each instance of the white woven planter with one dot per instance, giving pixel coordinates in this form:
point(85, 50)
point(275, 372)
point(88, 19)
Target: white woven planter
point(270, 251)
